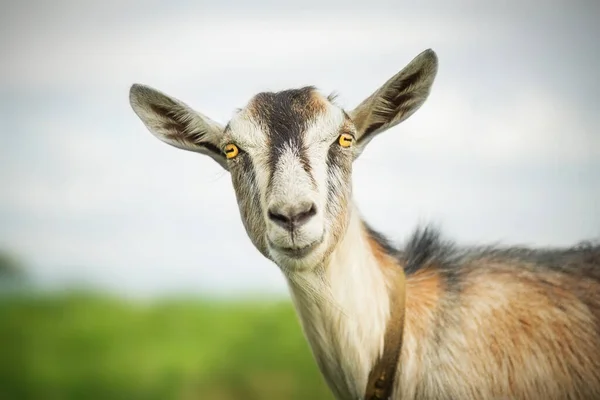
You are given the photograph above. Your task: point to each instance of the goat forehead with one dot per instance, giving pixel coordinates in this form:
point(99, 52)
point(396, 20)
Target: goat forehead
point(287, 112)
point(293, 118)
point(288, 132)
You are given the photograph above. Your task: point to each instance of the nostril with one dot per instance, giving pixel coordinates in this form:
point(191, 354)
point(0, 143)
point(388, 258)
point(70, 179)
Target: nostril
point(279, 218)
point(293, 216)
point(303, 216)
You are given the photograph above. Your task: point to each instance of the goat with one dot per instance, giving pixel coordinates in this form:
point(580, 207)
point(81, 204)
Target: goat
point(426, 321)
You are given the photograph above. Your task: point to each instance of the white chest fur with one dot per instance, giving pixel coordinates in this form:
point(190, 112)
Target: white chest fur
point(344, 312)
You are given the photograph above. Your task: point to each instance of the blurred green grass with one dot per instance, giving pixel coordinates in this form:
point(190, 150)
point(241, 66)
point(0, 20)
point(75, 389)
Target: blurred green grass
point(82, 346)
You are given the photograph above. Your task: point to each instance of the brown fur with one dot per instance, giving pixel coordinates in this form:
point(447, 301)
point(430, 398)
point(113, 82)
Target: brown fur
point(385, 260)
point(307, 103)
point(380, 383)
point(500, 328)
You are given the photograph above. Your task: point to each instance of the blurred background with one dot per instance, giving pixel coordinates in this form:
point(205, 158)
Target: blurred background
point(125, 271)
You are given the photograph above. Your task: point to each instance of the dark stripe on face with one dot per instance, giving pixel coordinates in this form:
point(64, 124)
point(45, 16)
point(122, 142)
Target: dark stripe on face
point(248, 195)
point(284, 115)
point(338, 176)
point(332, 162)
point(339, 188)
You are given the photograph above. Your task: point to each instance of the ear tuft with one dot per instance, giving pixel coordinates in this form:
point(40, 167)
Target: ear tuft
point(395, 100)
point(175, 123)
point(406, 93)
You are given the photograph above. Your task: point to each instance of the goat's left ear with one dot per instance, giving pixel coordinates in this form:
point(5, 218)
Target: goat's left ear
point(175, 123)
point(395, 100)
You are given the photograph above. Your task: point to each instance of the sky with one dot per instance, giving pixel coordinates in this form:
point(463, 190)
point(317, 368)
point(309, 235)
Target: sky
point(506, 149)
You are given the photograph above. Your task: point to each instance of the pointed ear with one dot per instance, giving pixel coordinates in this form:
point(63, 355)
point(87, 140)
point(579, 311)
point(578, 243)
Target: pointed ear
point(396, 100)
point(175, 123)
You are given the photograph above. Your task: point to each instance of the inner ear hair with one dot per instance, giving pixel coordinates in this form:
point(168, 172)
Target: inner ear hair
point(397, 99)
point(177, 124)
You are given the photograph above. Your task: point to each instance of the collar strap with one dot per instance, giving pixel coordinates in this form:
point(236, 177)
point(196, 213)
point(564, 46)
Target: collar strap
point(382, 376)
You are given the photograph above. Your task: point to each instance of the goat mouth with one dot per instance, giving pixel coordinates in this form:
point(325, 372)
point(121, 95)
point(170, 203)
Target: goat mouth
point(296, 252)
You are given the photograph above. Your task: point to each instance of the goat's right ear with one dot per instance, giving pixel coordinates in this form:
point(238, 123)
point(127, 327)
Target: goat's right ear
point(175, 123)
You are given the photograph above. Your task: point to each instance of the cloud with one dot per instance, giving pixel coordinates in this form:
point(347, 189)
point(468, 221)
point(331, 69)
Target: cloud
point(532, 126)
point(87, 46)
point(505, 148)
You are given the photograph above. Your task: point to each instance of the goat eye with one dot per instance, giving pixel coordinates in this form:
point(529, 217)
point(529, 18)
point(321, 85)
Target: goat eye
point(231, 150)
point(345, 140)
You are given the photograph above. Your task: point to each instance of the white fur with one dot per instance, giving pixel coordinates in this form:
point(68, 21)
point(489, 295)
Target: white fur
point(291, 185)
point(345, 324)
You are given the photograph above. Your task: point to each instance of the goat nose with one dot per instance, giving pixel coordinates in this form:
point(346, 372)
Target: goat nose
point(292, 216)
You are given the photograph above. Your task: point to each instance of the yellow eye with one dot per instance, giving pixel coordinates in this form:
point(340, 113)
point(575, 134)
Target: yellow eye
point(345, 140)
point(231, 150)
